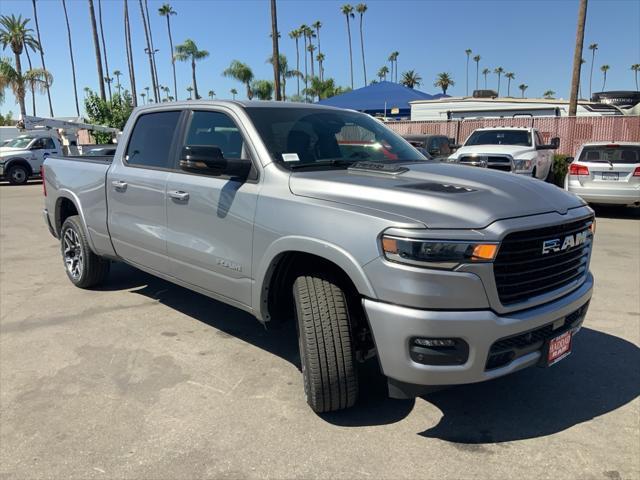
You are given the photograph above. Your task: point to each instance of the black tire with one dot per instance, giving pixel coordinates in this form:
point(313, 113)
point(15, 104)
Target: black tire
point(551, 176)
point(324, 337)
point(17, 174)
point(84, 268)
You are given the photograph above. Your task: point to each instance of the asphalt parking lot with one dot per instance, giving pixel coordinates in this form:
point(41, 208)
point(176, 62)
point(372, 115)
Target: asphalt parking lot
point(144, 379)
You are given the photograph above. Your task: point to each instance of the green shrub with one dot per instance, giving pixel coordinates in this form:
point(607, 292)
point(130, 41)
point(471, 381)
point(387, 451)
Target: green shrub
point(560, 168)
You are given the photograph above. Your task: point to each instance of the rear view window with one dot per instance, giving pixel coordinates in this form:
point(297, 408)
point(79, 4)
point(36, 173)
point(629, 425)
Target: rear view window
point(611, 154)
point(151, 140)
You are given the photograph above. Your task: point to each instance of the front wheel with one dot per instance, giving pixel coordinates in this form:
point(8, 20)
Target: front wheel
point(17, 175)
point(326, 351)
point(84, 268)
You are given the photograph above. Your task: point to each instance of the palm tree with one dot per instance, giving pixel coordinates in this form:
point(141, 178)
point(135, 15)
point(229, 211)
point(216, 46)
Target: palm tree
point(104, 48)
point(188, 51)
point(477, 60)
point(523, 87)
point(361, 8)
point(295, 34)
point(303, 31)
point(347, 11)
point(485, 72)
point(32, 87)
point(317, 25)
point(117, 74)
point(130, 66)
point(604, 69)
point(577, 59)
point(96, 44)
point(263, 89)
point(190, 90)
point(635, 68)
point(310, 34)
point(582, 62)
point(498, 71)
point(411, 79)
point(284, 72)
point(444, 81)
point(509, 76)
point(73, 65)
point(393, 59)
point(147, 90)
point(37, 79)
point(149, 51)
point(382, 73)
point(593, 47)
point(549, 94)
point(468, 52)
point(166, 10)
point(44, 66)
point(15, 34)
point(233, 92)
point(211, 94)
point(320, 58)
point(312, 48)
point(242, 73)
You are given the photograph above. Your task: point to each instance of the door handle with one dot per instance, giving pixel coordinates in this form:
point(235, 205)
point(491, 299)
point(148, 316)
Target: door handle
point(179, 195)
point(119, 185)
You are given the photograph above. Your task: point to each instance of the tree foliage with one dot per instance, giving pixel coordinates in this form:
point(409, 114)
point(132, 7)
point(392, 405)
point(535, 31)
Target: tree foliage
point(110, 113)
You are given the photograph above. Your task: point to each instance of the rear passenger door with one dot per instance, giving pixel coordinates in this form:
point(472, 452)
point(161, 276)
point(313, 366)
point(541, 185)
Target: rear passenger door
point(136, 191)
point(210, 218)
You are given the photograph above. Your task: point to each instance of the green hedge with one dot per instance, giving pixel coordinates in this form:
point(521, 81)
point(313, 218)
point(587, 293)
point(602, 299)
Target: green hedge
point(560, 168)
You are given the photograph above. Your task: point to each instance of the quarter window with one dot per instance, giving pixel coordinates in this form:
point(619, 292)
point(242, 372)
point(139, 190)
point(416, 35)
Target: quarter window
point(151, 139)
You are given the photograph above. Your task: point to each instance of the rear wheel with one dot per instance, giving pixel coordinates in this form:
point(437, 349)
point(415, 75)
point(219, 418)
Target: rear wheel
point(324, 337)
point(18, 175)
point(84, 268)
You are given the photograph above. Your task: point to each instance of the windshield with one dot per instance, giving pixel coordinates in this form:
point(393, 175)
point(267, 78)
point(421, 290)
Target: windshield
point(500, 137)
point(297, 137)
point(20, 142)
point(611, 154)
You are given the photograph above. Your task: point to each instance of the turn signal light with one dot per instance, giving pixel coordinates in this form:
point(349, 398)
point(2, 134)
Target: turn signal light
point(636, 172)
point(575, 169)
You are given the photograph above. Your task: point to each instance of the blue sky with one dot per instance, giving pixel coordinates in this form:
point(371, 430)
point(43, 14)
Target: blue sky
point(533, 39)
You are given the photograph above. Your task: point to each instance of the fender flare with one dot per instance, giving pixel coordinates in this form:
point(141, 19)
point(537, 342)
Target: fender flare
point(73, 198)
point(313, 246)
point(24, 161)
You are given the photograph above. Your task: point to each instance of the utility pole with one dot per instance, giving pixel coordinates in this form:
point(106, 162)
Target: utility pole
point(577, 58)
point(276, 51)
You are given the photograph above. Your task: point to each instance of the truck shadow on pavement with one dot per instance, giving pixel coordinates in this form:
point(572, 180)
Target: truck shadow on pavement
point(601, 375)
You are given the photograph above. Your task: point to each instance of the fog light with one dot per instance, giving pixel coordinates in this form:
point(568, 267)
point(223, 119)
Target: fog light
point(435, 342)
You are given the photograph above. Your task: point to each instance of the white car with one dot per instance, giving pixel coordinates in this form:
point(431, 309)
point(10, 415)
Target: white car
point(606, 173)
point(22, 157)
point(510, 149)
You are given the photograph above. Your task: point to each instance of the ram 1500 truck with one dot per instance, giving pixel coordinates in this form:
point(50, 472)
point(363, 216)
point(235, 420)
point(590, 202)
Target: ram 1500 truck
point(509, 149)
point(449, 274)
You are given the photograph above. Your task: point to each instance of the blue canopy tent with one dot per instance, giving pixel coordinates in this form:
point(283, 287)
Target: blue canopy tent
point(383, 98)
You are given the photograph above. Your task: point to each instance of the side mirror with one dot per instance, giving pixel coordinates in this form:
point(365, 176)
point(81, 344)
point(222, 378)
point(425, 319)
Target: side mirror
point(434, 151)
point(569, 160)
point(555, 143)
point(204, 159)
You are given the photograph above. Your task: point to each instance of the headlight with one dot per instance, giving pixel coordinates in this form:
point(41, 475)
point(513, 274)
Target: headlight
point(436, 253)
point(522, 164)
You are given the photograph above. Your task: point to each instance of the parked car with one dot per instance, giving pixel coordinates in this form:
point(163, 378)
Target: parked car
point(439, 147)
point(450, 275)
point(509, 149)
point(607, 173)
point(22, 157)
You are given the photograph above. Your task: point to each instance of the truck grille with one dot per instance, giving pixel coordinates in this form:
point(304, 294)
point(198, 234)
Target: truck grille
point(495, 162)
point(522, 270)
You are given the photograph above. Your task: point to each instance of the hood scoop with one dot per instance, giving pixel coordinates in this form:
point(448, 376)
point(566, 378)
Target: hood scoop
point(376, 167)
point(439, 188)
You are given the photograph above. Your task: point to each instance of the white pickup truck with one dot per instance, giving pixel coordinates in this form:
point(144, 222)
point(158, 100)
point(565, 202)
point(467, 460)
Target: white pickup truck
point(510, 149)
point(22, 157)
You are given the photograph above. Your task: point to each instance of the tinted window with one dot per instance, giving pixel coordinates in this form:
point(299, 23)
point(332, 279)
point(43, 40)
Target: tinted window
point(296, 136)
point(500, 137)
point(444, 146)
point(151, 140)
point(48, 144)
point(612, 154)
point(215, 129)
point(38, 144)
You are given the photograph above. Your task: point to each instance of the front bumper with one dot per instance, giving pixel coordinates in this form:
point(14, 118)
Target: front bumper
point(394, 327)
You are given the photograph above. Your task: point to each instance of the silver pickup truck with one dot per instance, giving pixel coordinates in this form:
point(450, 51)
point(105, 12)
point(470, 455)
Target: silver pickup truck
point(448, 274)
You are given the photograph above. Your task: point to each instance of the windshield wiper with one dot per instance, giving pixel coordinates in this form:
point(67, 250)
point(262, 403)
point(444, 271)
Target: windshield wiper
point(336, 162)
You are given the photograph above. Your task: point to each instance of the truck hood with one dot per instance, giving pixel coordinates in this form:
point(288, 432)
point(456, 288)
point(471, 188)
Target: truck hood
point(438, 195)
point(513, 150)
point(10, 151)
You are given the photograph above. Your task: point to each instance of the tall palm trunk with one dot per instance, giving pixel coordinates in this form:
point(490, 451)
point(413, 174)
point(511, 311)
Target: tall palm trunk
point(35, 17)
point(20, 90)
point(276, 51)
point(173, 60)
point(350, 50)
point(364, 66)
point(477, 74)
point(31, 84)
point(320, 71)
point(130, 65)
point(508, 87)
point(149, 51)
point(104, 47)
point(153, 49)
point(311, 57)
point(593, 59)
point(193, 78)
point(298, 65)
point(467, 93)
point(577, 59)
point(73, 64)
point(306, 79)
point(96, 44)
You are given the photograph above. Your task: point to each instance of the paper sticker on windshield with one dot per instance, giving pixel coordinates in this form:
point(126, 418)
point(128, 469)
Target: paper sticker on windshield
point(290, 157)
